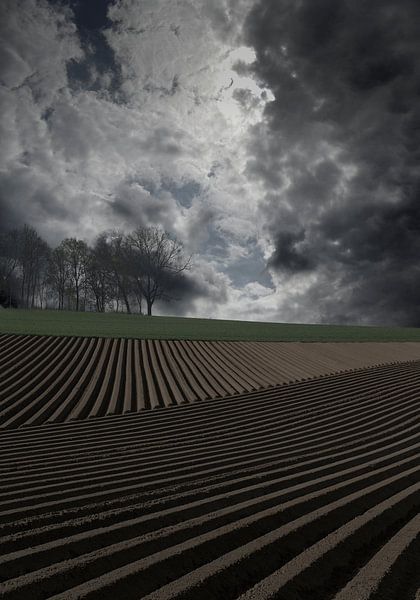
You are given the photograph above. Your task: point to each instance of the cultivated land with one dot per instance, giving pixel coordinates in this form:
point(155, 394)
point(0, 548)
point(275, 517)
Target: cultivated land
point(57, 379)
point(119, 325)
point(272, 469)
point(310, 490)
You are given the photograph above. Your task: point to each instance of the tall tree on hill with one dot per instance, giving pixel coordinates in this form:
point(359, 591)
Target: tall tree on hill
point(111, 247)
point(156, 260)
point(9, 263)
point(59, 274)
point(33, 254)
point(76, 254)
point(99, 274)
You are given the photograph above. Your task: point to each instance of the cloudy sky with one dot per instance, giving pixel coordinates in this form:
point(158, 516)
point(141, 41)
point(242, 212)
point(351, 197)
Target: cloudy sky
point(278, 139)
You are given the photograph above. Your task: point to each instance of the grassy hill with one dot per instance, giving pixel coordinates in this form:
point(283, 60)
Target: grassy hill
point(50, 322)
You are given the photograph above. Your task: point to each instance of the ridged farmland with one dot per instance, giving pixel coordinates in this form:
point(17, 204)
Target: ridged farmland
point(59, 379)
point(281, 470)
point(307, 490)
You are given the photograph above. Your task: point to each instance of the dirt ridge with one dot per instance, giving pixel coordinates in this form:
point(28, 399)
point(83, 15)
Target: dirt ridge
point(45, 379)
point(259, 494)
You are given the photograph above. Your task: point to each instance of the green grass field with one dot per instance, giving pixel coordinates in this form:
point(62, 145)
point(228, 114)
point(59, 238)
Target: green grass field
point(50, 322)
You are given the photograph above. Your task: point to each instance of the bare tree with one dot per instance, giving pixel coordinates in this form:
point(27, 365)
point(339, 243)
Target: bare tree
point(59, 274)
point(76, 254)
point(146, 265)
point(112, 247)
point(23, 263)
point(156, 260)
point(99, 276)
point(9, 263)
point(33, 260)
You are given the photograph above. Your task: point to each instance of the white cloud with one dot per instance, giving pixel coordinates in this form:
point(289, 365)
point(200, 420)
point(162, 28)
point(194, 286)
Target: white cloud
point(37, 41)
point(75, 161)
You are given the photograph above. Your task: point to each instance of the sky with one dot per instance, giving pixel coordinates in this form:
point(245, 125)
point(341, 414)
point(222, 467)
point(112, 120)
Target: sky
point(279, 140)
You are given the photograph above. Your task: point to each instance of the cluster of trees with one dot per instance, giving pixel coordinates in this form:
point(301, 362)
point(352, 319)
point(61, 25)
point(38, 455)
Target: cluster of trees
point(118, 272)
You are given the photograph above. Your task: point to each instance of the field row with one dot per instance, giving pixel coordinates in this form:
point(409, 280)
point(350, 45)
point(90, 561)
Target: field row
point(308, 490)
point(59, 379)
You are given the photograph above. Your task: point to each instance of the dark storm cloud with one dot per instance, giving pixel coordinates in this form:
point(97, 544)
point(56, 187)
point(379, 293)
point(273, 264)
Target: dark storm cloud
point(184, 290)
point(340, 156)
point(41, 202)
point(164, 141)
point(99, 69)
point(253, 259)
point(145, 202)
point(183, 192)
point(193, 285)
point(141, 203)
point(287, 253)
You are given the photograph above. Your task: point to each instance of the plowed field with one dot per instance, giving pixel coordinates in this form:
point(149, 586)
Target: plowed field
point(58, 379)
point(282, 470)
point(307, 490)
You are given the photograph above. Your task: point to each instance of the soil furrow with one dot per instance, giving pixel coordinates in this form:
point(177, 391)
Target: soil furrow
point(254, 424)
point(328, 379)
point(271, 469)
point(267, 442)
point(106, 583)
point(74, 501)
point(14, 485)
point(369, 577)
point(271, 395)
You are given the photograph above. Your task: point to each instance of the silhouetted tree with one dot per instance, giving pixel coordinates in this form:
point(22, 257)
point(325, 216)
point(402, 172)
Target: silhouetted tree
point(99, 275)
point(9, 263)
point(111, 246)
point(144, 265)
point(156, 259)
point(58, 274)
point(33, 254)
point(76, 253)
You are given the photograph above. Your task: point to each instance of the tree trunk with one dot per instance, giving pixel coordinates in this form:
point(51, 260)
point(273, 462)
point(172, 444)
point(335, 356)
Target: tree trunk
point(125, 298)
point(127, 304)
point(149, 307)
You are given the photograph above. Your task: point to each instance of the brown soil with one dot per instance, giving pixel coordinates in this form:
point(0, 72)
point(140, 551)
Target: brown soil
point(56, 379)
point(305, 490)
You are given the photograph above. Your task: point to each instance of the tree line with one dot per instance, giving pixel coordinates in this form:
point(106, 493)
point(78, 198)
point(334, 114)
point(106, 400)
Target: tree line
point(119, 271)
